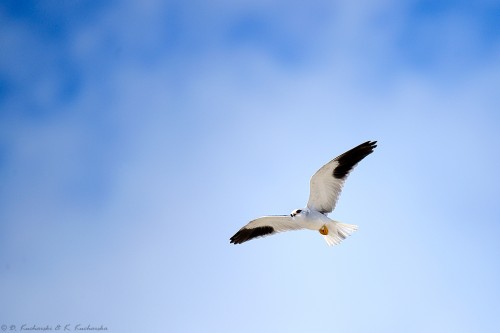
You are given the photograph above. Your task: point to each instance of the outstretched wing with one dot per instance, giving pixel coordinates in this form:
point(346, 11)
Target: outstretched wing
point(327, 182)
point(265, 226)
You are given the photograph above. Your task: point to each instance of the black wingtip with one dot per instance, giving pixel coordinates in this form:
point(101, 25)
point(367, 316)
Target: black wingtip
point(245, 234)
point(352, 157)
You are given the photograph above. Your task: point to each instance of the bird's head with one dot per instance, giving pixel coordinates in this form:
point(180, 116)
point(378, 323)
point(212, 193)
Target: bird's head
point(297, 212)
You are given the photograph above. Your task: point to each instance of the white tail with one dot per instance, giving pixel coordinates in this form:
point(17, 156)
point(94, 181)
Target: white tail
point(337, 232)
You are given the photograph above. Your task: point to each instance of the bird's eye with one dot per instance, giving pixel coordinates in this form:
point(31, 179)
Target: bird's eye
point(298, 211)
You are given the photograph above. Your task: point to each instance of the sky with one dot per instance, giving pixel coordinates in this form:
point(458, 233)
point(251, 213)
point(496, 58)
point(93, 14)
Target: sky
point(136, 137)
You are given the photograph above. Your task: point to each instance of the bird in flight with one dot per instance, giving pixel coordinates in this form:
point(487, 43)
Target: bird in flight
point(325, 187)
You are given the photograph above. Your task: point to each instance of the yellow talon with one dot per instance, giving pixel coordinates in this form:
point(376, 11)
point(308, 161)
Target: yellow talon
point(323, 230)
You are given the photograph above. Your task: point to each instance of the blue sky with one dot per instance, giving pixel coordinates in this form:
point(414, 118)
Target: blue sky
point(137, 137)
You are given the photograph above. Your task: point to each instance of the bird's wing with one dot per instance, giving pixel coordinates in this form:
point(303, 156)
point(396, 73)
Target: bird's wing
point(327, 182)
point(265, 226)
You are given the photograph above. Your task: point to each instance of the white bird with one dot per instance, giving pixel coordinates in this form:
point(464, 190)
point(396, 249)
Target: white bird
point(325, 187)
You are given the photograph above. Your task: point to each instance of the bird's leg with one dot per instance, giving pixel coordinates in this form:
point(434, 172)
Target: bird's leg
point(323, 230)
